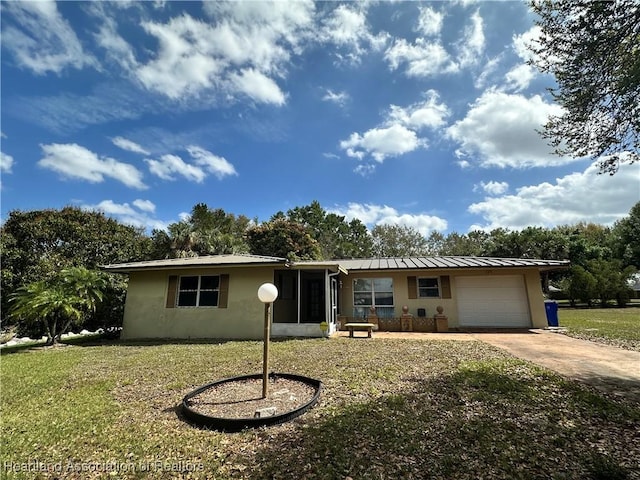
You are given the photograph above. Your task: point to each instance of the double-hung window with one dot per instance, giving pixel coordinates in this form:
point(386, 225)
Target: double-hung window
point(428, 288)
point(199, 291)
point(373, 292)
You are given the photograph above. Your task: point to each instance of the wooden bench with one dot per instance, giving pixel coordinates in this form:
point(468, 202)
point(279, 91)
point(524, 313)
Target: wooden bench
point(360, 327)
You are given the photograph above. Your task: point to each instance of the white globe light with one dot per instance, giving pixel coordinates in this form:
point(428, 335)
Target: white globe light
point(267, 293)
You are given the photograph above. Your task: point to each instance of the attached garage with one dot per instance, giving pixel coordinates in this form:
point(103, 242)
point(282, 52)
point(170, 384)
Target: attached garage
point(493, 301)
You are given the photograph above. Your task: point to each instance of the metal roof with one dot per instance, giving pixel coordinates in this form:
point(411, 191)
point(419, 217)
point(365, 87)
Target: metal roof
point(402, 263)
point(203, 261)
point(422, 263)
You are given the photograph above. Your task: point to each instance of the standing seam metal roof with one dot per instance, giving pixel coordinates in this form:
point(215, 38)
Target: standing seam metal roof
point(361, 264)
point(419, 263)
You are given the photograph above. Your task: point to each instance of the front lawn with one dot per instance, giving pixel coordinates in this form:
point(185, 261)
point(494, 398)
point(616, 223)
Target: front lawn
point(389, 409)
point(614, 326)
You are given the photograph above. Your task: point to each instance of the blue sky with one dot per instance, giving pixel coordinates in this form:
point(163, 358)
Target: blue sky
point(421, 114)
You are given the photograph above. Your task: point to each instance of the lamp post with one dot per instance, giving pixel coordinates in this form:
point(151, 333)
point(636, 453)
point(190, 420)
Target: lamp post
point(267, 293)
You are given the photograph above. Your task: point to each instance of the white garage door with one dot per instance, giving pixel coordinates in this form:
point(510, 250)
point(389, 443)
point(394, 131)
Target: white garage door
point(496, 301)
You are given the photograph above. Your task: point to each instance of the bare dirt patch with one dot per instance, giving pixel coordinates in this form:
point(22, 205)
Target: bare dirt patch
point(243, 398)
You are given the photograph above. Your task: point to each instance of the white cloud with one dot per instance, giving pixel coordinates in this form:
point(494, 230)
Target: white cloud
point(488, 70)
point(577, 197)
point(429, 21)
point(520, 77)
point(499, 130)
point(6, 162)
point(265, 24)
point(424, 58)
point(372, 215)
point(107, 37)
point(427, 57)
point(219, 166)
point(168, 166)
point(74, 161)
point(258, 87)
point(184, 65)
point(398, 133)
point(381, 143)
point(43, 42)
point(428, 113)
point(492, 188)
point(144, 205)
point(365, 169)
point(339, 98)
point(128, 145)
point(242, 50)
point(472, 44)
point(521, 43)
point(136, 214)
point(347, 27)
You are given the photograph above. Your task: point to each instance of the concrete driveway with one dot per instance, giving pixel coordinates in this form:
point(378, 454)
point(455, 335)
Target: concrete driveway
point(607, 368)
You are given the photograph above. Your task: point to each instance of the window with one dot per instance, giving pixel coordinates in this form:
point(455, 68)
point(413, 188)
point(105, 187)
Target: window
point(373, 292)
point(199, 291)
point(428, 288)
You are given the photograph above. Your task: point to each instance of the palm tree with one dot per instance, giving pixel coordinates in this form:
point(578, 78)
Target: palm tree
point(68, 297)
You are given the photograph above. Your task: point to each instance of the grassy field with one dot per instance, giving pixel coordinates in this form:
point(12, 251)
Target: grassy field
point(614, 326)
point(389, 409)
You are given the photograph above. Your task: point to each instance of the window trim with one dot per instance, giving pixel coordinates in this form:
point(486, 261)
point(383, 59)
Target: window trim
point(199, 289)
point(438, 288)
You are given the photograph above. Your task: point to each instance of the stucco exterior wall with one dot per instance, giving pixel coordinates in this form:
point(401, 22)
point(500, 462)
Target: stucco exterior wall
point(401, 293)
point(146, 315)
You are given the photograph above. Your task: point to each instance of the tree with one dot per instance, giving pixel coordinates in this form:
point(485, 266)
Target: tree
point(593, 50)
point(205, 232)
point(37, 244)
point(436, 242)
point(612, 281)
point(582, 286)
point(474, 244)
point(398, 241)
point(585, 242)
point(626, 238)
point(283, 238)
point(337, 237)
point(69, 296)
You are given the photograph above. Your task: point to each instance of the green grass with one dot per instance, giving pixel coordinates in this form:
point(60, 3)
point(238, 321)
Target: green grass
point(615, 326)
point(389, 409)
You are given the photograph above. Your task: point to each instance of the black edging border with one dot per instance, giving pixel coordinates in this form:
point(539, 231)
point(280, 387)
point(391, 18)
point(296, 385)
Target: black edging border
point(237, 424)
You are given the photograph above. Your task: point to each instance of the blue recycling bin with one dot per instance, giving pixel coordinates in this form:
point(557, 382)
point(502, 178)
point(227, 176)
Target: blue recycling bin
point(551, 309)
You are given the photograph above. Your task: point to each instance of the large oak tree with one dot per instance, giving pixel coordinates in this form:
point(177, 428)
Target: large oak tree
point(593, 50)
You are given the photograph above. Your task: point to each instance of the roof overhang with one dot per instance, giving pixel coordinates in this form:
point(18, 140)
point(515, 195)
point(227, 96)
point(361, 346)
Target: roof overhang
point(446, 263)
point(208, 261)
point(333, 265)
point(343, 266)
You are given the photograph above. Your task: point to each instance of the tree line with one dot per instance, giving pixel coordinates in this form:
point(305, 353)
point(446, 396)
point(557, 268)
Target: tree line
point(41, 249)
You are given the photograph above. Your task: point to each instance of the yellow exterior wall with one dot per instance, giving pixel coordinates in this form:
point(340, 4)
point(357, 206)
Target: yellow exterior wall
point(401, 294)
point(146, 316)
